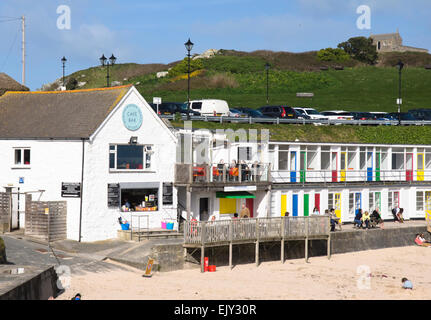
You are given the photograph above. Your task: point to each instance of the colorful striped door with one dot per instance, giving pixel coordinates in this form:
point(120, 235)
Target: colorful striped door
point(337, 205)
point(293, 166)
point(343, 166)
point(334, 168)
point(369, 166)
point(283, 204)
point(377, 166)
point(302, 166)
point(295, 205)
point(409, 166)
point(317, 201)
point(421, 164)
point(306, 205)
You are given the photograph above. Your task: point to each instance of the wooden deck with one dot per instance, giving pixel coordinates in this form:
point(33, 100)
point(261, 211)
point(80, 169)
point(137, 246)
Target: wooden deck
point(255, 230)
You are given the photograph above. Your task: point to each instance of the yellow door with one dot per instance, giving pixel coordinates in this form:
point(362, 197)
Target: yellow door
point(227, 205)
point(421, 163)
point(337, 205)
point(428, 209)
point(343, 166)
point(283, 204)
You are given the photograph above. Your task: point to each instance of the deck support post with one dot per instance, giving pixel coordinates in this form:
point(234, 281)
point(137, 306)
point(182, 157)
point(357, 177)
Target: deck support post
point(203, 237)
point(257, 243)
point(306, 238)
point(230, 243)
point(282, 239)
point(329, 246)
point(202, 258)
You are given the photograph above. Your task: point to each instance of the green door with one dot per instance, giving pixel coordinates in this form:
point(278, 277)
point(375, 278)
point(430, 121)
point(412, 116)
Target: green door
point(306, 205)
point(302, 166)
point(377, 166)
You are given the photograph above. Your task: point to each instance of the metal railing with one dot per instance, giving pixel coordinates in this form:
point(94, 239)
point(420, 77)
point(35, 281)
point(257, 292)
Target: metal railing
point(250, 172)
point(366, 175)
point(250, 120)
point(251, 229)
point(137, 229)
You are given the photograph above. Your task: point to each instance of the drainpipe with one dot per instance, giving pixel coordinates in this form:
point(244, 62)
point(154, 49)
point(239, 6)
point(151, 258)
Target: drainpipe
point(82, 188)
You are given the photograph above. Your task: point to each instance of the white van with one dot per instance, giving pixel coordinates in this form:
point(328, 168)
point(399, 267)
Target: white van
point(210, 107)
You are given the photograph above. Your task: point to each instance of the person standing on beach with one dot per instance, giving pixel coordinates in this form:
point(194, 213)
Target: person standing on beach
point(244, 212)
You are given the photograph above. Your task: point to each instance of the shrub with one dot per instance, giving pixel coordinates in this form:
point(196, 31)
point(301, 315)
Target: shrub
point(182, 67)
point(333, 55)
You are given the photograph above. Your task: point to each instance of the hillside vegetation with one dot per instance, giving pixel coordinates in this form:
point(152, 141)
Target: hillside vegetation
point(240, 78)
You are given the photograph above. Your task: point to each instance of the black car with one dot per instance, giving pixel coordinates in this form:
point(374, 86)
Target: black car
point(168, 108)
point(405, 116)
point(252, 113)
point(363, 116)
point(421, 114)
point(279, 112)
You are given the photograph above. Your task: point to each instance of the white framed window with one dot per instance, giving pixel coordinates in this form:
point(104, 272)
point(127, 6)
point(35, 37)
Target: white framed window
point(374, 201)
point(419, 201)
point(130, 157)
point(393, 200)
point(21, 157)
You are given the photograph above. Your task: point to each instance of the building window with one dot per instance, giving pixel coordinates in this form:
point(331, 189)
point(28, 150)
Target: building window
point(130, 157)
point(283, 157)
point(419, 201)
point(244, 153)
point(140, 199)
point(167, 193)
point(22, 156)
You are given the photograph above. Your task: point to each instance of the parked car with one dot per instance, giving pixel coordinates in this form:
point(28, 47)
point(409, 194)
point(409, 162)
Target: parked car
point(301, 114)
point(210, 107)
point(252, 113)
point(279, 112)
point(405, 116)
point(338, 115)
point(311, 113)
point(168, 108)
point(363, 115)
point(380, 115)
point(237, 113)
point(421, 114)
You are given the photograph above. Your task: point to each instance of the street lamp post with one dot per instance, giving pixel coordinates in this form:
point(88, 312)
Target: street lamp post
point(63, 61)
point(189, 46)
point(267, 66)
point(111, 62)
point(400, 66)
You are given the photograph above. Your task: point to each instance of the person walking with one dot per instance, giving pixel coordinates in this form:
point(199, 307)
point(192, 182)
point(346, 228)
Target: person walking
point(245, 212)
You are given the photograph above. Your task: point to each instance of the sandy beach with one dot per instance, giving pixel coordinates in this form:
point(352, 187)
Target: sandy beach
point(333, 279)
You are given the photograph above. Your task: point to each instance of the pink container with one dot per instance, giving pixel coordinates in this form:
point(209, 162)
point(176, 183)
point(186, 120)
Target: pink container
point(163, 225)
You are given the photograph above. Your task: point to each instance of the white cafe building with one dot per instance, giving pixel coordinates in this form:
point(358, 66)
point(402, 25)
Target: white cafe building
point(97, 149)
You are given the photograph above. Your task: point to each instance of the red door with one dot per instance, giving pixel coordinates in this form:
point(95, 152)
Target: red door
point(249, 203)
point(317, 201)
point(334, 164)
point(409, 166)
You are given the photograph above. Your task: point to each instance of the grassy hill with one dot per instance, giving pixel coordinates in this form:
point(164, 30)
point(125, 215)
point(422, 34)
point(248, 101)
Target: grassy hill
point(239, 78)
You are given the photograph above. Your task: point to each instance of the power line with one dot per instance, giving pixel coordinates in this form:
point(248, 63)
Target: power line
point(10, 50)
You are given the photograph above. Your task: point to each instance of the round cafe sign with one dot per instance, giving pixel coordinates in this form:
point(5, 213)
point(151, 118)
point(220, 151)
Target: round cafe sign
point(132, 117)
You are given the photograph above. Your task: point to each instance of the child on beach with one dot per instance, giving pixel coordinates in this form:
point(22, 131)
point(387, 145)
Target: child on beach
point(407, 284)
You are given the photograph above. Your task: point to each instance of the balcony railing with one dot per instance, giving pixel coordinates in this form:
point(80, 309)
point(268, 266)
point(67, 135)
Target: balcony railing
point(222, 173)
point(251, 229)
point(367, 175)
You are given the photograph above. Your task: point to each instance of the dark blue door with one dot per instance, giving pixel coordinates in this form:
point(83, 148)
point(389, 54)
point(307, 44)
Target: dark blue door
point(293, 166)
point(295, 205)
point(369, 166)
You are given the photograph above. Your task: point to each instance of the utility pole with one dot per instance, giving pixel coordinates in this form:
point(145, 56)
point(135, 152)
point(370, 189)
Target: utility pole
point(23, 50)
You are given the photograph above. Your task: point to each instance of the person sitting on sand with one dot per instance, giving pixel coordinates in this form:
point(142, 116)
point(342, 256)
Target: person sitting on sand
point(420, 241)
point(357, 222)
point(366, 219)
point(377, 218)
point(407, 284)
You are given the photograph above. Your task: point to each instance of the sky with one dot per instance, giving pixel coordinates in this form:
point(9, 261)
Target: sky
point(143, 31)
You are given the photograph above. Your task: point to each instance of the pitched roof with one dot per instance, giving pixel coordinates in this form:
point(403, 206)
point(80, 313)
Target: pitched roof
point(9, 84)
point(56, 114)
point(384, 36)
